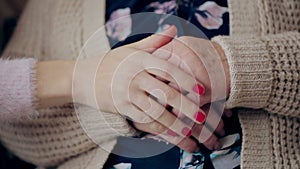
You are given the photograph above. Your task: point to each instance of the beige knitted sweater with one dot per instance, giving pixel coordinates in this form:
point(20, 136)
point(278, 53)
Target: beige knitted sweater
point(263, 51)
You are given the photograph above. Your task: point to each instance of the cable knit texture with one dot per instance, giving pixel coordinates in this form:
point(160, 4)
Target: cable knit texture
point(263, 51)
point(250, 71)
point(17, 88)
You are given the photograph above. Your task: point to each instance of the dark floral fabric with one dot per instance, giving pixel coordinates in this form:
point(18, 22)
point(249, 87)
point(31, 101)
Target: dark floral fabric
point(211, 17)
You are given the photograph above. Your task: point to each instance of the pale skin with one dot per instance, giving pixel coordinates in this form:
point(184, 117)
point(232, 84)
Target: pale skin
point(141, 67)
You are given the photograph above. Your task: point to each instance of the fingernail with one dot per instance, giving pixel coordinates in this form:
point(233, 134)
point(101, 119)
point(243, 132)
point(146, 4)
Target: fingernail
point(200, 117)
point(172, 133)
point(186, 131)
point(199, 89)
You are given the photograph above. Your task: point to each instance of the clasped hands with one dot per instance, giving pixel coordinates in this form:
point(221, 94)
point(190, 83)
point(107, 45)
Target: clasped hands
point(165, 85)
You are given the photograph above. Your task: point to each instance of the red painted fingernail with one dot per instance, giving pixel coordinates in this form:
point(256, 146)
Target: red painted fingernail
point(199, 89)
point(186, 131)
point(200, 117)
point(172, 133)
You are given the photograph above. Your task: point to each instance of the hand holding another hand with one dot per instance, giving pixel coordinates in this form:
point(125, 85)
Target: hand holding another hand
point(130, 81)
point(206, 62)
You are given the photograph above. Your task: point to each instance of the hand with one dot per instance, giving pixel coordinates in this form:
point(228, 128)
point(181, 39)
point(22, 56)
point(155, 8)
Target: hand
point(206, 62)
point(208, 139)
point(124, 82)
point(202, 59)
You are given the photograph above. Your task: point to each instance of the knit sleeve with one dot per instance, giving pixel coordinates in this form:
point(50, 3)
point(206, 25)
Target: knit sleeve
point(17, 87)
point(264, 72)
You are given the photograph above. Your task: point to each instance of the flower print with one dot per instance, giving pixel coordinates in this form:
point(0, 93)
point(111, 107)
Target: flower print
point(210, 15)
point(191, 160)
point(164, 8)
point(122, 166)
point(117, 28)
point(187, 158)
point(168, 8)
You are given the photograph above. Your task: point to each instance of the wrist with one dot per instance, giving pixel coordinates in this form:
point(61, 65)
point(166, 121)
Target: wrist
point(54, 83)
point(91, 83)
point(224, 61)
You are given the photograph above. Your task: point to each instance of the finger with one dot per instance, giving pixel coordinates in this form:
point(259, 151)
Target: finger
point(156, 128)
point(204, 134)
point(133, 113)
point(181, 56)
point(205, 66)
point(171, 73)
point(194, 97)
point(156, 41)
point(165, 52)
point(206, 137)
point(162, 116)
point(214, 121)
point(168, 95)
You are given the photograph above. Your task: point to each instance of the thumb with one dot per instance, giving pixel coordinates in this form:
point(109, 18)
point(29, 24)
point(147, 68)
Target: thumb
point(153, 42)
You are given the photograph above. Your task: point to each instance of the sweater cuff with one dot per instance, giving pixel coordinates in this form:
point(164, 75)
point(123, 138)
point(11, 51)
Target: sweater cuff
point(17, 85)
point(250, 71)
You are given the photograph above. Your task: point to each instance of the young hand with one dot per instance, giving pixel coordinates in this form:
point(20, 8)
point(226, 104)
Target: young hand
point(202, 59)
point(126, 81)
point(206, 62)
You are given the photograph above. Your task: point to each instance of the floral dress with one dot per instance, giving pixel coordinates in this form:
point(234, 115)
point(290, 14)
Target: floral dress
point(211, 18)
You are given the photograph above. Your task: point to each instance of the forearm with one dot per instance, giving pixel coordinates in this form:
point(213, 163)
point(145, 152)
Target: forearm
point(54, 82)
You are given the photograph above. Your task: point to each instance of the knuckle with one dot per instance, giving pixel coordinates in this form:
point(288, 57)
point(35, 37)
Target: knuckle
point(133, 96)
point(186, 145)
point(165, 75)
point(144, 104)
point(155, 111)
point(170, 94)
point(139, 80)
point(145, 119)
point(156, 127)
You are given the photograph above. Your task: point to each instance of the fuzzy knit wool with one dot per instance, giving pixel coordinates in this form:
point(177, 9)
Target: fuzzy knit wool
point(17, 85)
point(263, 52)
